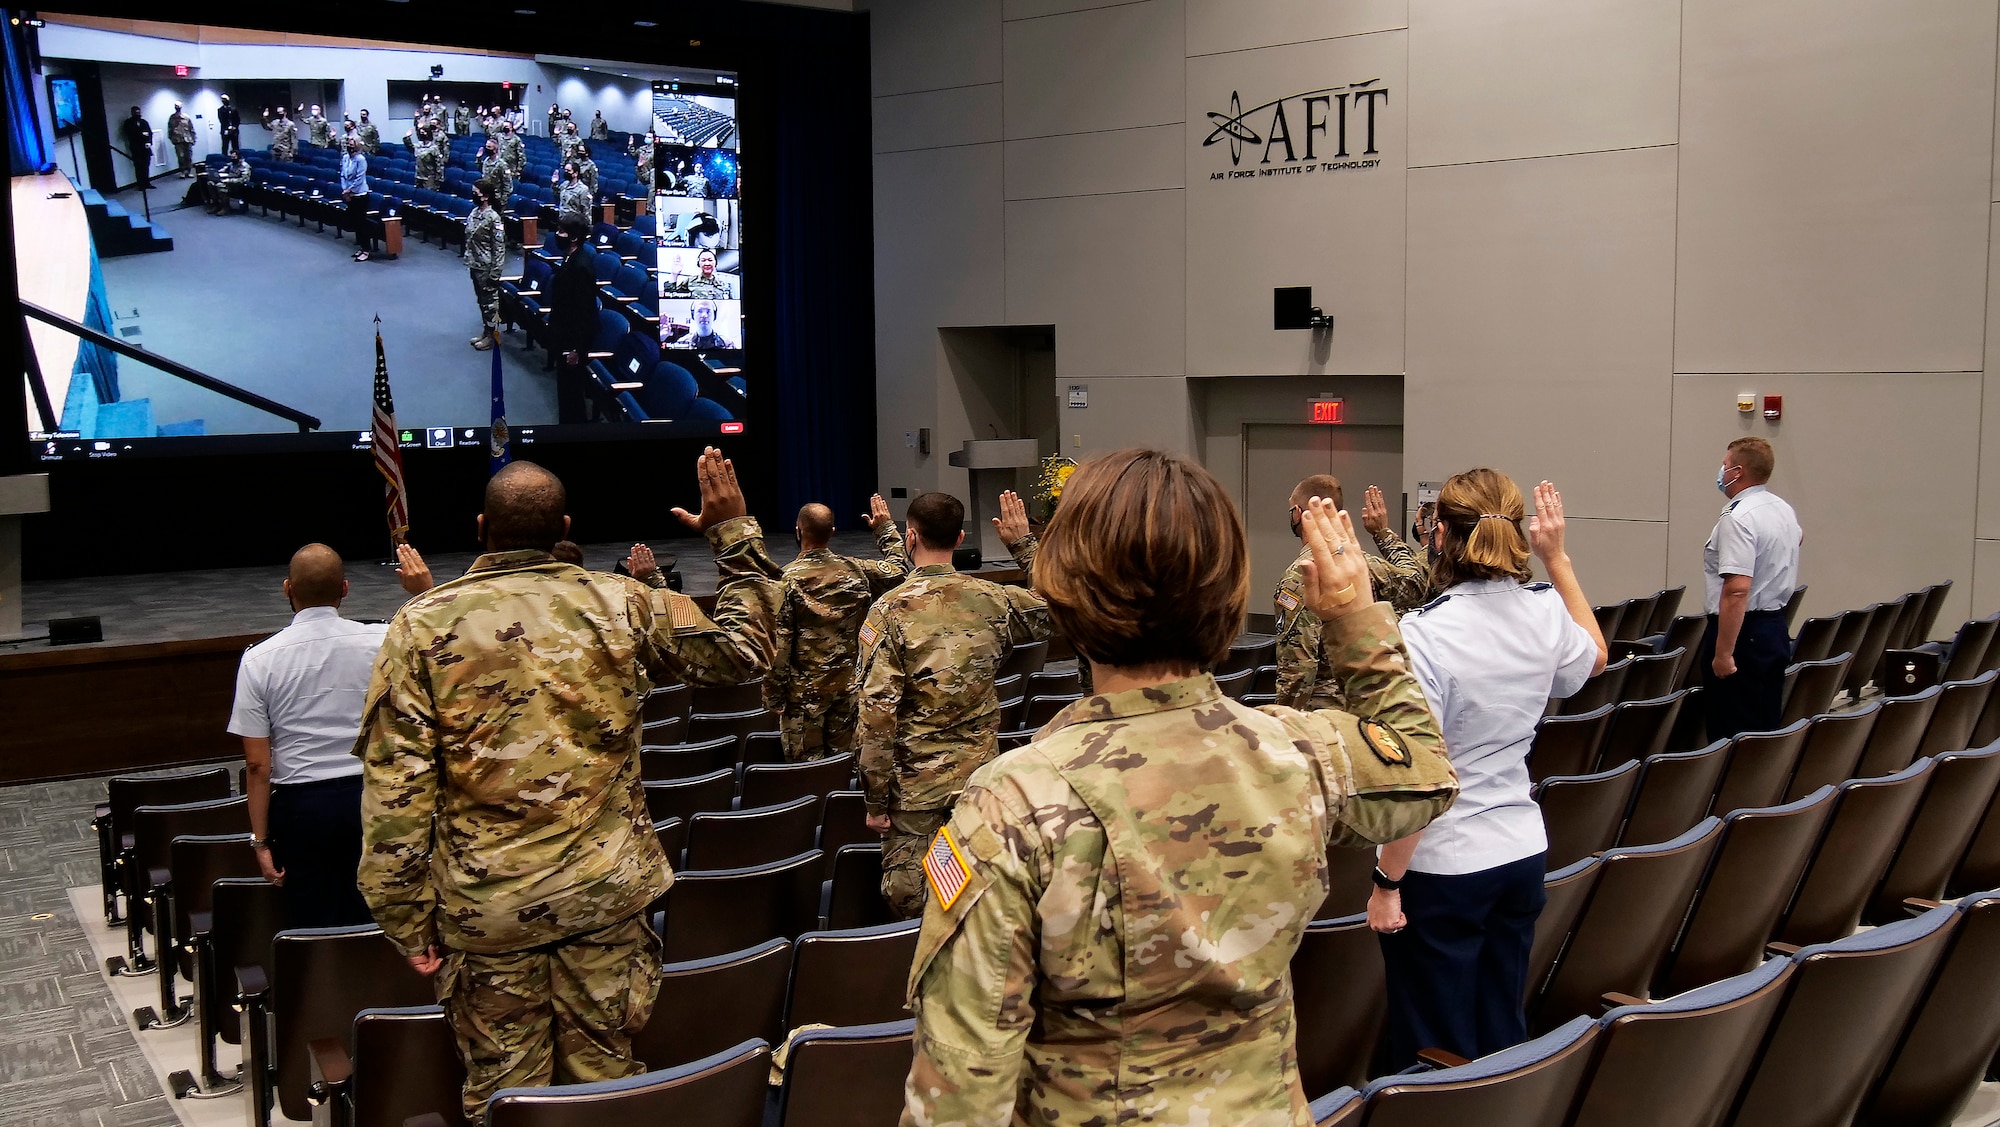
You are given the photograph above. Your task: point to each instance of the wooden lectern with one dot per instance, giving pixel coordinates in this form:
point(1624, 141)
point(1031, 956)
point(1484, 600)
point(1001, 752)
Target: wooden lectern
point(989, 464)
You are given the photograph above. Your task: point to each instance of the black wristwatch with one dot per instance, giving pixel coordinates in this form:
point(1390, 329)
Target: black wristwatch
point(1383, 882)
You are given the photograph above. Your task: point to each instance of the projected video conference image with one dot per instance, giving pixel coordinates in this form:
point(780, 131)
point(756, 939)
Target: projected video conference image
point(248, 224)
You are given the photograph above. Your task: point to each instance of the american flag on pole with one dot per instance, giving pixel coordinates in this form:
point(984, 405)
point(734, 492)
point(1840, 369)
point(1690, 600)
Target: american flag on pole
point(388, 455)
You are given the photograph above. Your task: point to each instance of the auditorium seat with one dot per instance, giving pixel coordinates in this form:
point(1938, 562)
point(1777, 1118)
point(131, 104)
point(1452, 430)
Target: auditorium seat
point(1054, 683)
point(1851, 632)
point(1953, 1032)
point(761, 747)
point(851, 976)
point(1868, 655)
point(1959, 706)
point(686, 761)
point(149, 879)
point(247, 913)
point(1567, 890)
point(1610, 617)
point(1870, 817)
point(1966, 657)
point(1813, 687)
point(319, 979)
point(684, 798)
point(1653, 675)
point(1013, 709)
point(1350, 876)
point(1684, 633)
point(1833, 749)
point(113, 820)
point(1980, 867)
point(1898, 732)
point(1757, 865)
point(1639, 727)
point(673, 836)
point(668, 390)
point(1926, 620)
point(713, 911)
point(1041, 710)
point(1245, 653)
point(851, 895)
point(1582, 813)
point(1961, 789)
point(1666, 606)
point(398, 1063)
point(1568, 745)
point(743, 839)
point(845, 1077)
point(1641, 898)
point(1680, 1063)
point(662, 733)
point(843, 820)
point(1760, 766)
point(1847, 1003)
point(1674, 792)
point(1529, 1085)
point(196, 861)
point(707, 1005)
point(1605, 688)
point(704, 726)
point(1028, 657)
point(1234, 686)
point(767, 784)
point(1341, 997)
point(668, 702)
point(1691, 726)
point(724, 1090)
point(1815, 639)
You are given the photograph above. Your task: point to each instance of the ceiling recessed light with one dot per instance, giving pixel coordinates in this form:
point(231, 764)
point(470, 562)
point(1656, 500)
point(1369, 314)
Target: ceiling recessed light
point(644, 23)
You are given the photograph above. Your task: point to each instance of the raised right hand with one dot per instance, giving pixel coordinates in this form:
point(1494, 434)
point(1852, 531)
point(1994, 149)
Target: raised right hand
point(1546, 527)
point(721, 496)
point(878, 512)
point(1012, 523)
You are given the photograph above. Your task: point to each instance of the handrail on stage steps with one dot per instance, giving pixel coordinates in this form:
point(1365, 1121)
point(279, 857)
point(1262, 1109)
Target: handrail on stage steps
point(307, 423)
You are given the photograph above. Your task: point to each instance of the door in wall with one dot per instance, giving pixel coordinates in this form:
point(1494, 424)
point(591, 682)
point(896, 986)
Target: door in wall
point(1277, 456)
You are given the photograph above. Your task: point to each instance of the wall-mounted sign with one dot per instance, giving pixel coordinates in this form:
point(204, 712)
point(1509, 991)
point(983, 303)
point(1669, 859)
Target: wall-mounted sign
point(1326, 410)
point(1331, 129)
point(1079, 395)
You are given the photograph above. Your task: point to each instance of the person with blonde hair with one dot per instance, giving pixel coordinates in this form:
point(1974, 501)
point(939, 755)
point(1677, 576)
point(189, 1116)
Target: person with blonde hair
point(1114, 907)
point(1456, 904)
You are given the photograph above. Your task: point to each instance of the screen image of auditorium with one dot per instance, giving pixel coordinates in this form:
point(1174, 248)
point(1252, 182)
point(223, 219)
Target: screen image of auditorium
point(273, 256)
point(65, 106)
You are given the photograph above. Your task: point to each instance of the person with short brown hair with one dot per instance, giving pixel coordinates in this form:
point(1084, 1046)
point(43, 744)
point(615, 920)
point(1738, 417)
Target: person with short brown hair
point(1751, 567)
point(1457, 903)
point(1305, 676)
point(1114, 907)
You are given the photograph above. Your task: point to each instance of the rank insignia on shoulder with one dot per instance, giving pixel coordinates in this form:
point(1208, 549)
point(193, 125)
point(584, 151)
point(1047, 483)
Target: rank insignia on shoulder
point(1288, 600)
point(1387, 745)
point(946, 868)
point(868, 635)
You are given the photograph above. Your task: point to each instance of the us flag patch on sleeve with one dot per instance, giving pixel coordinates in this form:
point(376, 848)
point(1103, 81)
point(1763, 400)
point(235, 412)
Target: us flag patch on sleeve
point(947, 870)
point(1288, 600)
point(868, 635)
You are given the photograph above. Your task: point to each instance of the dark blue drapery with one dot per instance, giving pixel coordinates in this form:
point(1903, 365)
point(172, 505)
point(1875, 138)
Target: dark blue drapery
point(27, 149)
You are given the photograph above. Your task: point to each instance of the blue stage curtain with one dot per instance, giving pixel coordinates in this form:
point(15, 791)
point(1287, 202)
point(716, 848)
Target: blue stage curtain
point(825, 328)
point(27, 149)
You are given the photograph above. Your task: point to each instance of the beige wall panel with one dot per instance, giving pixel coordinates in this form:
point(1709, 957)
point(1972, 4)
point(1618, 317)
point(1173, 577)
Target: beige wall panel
point(1989, 430)
point(1125, 411)
point(1541, 326)
point(906, 398)
point(1338, 231)
point(1881, 469)
point(961, 115)
point(1104, 68)
point(1089, 164)
point(1236, 25)
point(1105, 271)
point(1499, 81)
point(933, 44)
point(1836, 165)
point(1985, 589)
point(1032, 9)
point(1223, 407)
point(1616, 559)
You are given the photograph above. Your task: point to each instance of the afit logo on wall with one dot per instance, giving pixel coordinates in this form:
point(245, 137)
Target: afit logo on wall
point(1286, 135)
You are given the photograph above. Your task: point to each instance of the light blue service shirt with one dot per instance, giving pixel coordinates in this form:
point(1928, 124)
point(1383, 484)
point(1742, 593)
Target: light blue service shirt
point(354, 174)
point(1489, 654)
point(303, 688)
point(1757, 535)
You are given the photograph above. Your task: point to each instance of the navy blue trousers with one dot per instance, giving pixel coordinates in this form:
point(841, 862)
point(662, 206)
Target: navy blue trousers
point(1753, 698)
point(1459, 972)
point(315, 833)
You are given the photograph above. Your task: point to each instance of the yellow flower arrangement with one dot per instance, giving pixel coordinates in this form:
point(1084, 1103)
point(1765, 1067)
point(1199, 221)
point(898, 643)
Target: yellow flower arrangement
point(1049, 486)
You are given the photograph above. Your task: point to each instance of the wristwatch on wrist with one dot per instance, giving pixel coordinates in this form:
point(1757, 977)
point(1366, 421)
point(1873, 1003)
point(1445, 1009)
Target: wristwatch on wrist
point(265, 843)
point(1383, 882)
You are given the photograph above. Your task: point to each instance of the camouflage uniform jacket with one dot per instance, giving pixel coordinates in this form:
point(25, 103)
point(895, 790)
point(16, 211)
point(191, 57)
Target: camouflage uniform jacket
point(461, 121)
point(600, 129)
point(500, 175)
point(928, 714)
point(371, 138)
point(574, 202)
point(502, 807)
point(815, 641)
point(284, 138)
point(642, 163)
point(514, 153)
point(430, 165)
point(180, 129)
point(485, 242)
point(318, 131)
point(1136, 882)
point(586, 168)
point(1305, 677)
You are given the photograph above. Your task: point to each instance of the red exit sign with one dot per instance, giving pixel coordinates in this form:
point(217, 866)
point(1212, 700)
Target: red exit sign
point(180, 70)
point(1326, 410)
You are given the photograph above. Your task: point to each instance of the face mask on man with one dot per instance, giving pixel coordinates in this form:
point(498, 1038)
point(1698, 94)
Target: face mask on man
point(1722, 482)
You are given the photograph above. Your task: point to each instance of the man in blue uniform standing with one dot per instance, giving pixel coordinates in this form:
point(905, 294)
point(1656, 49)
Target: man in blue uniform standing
point(1751, 566)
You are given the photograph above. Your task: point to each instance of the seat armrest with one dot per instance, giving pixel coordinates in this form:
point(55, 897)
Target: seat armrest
point(1613, 999)
point(251, 984)
point(516, 278)
point(597, 355)
point(1781, 950)
point(1917, 905)
point(622, 299)
point(1439, 1058)
point(627, 386)
point(159, 878)
point(330, 1068)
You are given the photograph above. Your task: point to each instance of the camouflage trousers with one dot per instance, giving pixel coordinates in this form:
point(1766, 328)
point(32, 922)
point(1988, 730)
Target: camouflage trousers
point(486, 289)
point(561, 1013)
point(904, 885)
point(815, 729)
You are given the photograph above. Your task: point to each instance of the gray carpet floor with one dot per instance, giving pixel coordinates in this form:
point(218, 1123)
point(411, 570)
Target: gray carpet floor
point(67, 1054)
point(299, 318)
